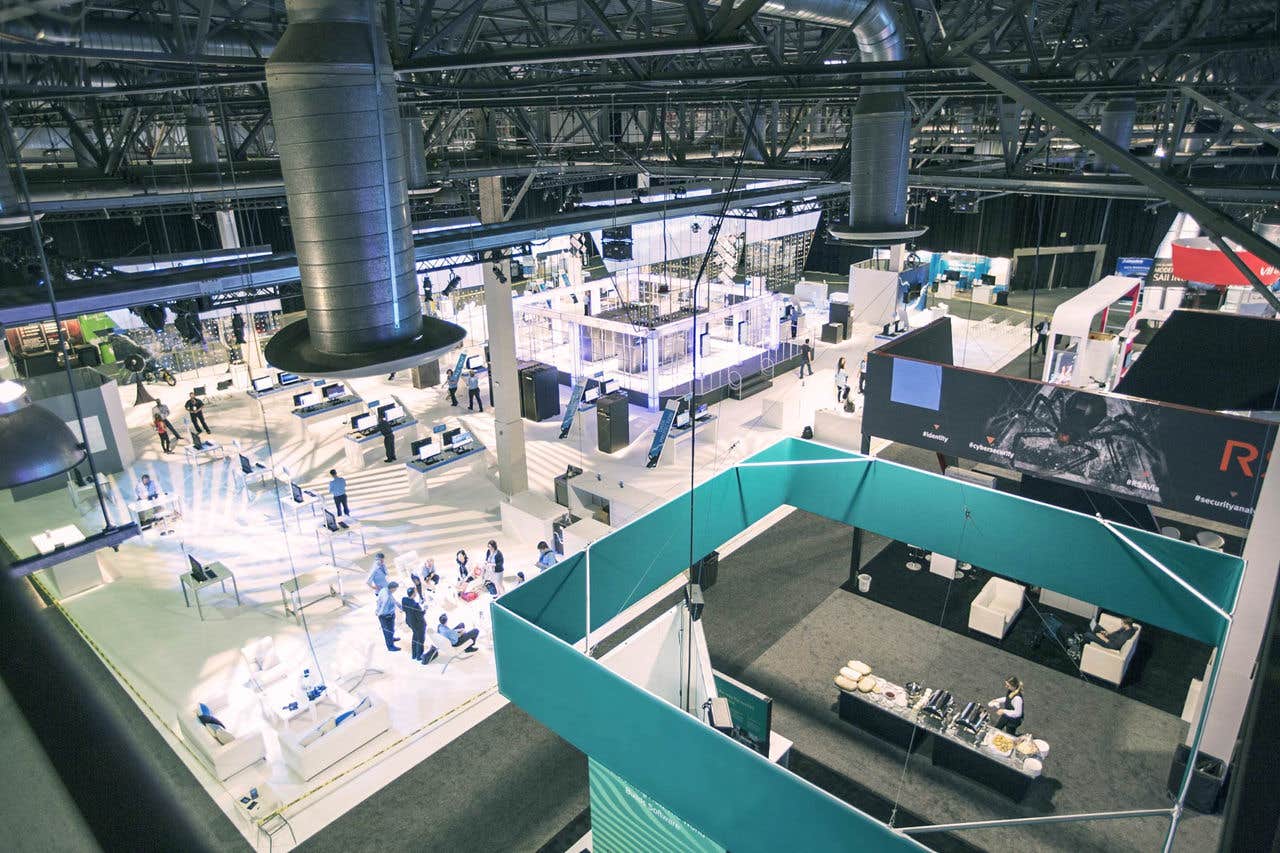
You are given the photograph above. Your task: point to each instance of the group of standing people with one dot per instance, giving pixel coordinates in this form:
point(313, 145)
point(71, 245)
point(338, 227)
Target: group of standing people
point(472, 378)
point(418, 598)
point(194, 420)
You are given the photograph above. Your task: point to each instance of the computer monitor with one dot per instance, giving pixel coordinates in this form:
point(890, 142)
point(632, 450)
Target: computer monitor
point(288, 378)
point(475, 362)
point(303, 400)
point(264, 383)
point(447, 439)
point(953, 275)
point(330, 520)
point(363, 422)
point(245, 466)
point(331, 391)
point(701, 411)
point(591, 393)
point(423, 448)
point(391, 413)
point(297, 492)
point(197, 570)
point(987, 278)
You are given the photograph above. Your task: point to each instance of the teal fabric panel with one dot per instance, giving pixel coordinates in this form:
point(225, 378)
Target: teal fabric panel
point(1034, 543)
point(625, 819)
point(641, 556)
point(732, 795)
point(797, 449)
point(555, 600)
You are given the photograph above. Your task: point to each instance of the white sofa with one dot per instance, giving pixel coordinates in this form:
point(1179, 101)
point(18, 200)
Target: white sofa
point(225, 760)
point(996, 606)
point(354, 732)
point(1109, 665)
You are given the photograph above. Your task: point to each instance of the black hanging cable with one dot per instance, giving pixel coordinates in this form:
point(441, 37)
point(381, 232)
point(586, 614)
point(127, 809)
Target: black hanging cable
point(1035, 283)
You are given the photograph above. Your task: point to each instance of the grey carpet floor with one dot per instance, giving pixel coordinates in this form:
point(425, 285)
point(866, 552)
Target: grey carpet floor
point(1108, 752)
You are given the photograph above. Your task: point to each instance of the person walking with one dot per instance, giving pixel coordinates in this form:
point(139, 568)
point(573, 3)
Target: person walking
point(386, 610)
point(416, 619)
point(338, 488)
point(842, 382)
point(546, 557)
point(1042, 338)
point(806, 357)
point(195, 408)
point(473, 391)
point(862, 376)
point(159, 425)
point(453, 390)
point(794, 316)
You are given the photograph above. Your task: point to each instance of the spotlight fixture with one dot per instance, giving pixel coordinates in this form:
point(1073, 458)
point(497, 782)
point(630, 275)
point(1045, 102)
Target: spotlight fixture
point(38, 444)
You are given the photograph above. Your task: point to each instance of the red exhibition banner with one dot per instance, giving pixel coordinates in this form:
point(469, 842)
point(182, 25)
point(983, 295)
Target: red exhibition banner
point(1197, 259)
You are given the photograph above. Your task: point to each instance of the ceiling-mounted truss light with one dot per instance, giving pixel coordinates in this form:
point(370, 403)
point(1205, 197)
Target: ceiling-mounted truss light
point(36, 442)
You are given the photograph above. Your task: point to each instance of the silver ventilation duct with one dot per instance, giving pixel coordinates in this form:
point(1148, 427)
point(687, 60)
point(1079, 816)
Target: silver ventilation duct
point(126, 36)
point(201, 141)
point(415, 153)
point(1118, 115)
point(333, 105)
point(879, 129)
point(1268, 225)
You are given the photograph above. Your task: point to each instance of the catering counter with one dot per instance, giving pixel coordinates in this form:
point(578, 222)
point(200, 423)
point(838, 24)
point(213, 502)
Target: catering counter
point(890, 715)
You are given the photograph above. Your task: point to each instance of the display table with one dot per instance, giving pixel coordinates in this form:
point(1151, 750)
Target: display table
point(620, 503)
point(220, 574)
point(312, 417)
point(421, 473)
point(583, 532)
point(85, 497)
point(311, 501)
point(74, 575)
point(528, 517)
point(350, 532)
point(983, 294)
point(300, 592)
point(951, 749)
point(207, 452)
point(162, 510)
point(780, 411)
point(1049, 598)
point(365, 450)
point(264, 813)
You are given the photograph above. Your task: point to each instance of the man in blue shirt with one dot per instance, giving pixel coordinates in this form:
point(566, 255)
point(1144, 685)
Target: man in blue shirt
point(386, 610)
point(338, 488)
point(378, 576)
point(546, 557)
point(473, 391)
point(458, 634)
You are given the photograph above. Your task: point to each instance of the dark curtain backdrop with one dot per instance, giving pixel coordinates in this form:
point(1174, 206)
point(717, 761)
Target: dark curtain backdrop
point(1013, 222)
point(121, 235)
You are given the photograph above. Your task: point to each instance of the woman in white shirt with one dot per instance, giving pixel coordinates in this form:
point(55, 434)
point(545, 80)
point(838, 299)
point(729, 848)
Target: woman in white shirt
point(1008, 708)
point(842, 382)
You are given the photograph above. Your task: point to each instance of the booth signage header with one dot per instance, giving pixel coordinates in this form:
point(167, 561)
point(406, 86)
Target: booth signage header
point(1191, 460)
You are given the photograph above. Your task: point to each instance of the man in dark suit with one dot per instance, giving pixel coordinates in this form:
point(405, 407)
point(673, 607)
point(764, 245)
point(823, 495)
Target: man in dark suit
point(416, 618)
point(388, 440)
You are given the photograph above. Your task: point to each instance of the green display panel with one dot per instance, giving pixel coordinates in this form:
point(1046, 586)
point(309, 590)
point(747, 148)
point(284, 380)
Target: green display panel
point(751, 711)
point(625, 819)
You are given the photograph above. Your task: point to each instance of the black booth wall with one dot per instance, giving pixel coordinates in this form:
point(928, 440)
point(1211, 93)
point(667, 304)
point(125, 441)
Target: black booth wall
point(1013, 222)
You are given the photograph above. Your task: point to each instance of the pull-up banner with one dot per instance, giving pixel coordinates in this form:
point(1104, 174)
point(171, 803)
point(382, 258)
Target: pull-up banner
point(1196, 461)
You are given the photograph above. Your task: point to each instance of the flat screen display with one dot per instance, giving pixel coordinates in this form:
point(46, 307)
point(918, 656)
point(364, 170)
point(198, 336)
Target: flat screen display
point(264, 383)
point(392, 413)
point(197, 570)
point(916, 383)
point(331, 391)
point(423, 448)
point(244, 464)
point(288, 378)
point(297, 492)
point(364, 422)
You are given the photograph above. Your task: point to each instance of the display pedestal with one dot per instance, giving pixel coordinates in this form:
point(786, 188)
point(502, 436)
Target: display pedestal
point(837, 428)
point(528, 517)
point(941, 564)
point(581, 533)
point(780, 412)
point(73, 576)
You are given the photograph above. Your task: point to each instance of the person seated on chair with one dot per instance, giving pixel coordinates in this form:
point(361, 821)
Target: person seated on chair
point(464, 565)
point(1113, 639)
point(470, 588)
point(146, 489)
point(1008, 708)
point(458, 634)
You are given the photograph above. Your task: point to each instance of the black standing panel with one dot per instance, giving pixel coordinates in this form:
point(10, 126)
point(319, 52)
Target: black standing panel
point(539, 392)
point(613, 423)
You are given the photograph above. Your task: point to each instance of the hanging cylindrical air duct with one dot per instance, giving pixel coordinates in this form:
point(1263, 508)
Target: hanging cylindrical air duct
point(338, 130)
point(1116, 125)
point(879, 128)
point(415, 154)
point(1268, 225)
point(201, 141)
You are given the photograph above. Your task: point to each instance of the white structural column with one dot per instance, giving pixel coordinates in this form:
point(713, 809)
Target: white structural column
point(513, 469)
point(1249, 625)
point(228, 231)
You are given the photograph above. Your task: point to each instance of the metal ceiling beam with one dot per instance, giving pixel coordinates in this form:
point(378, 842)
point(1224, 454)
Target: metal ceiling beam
point(1208, 216)
point(629, 49)
point(124, 290)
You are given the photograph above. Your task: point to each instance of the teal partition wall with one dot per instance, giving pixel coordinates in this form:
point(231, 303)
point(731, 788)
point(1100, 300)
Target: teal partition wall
point(731, 794)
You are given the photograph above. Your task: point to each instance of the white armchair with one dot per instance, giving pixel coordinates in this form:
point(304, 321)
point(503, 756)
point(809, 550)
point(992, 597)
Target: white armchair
point(224, 759)
point(263, 662)
point(996, 606)
point(1109, 665)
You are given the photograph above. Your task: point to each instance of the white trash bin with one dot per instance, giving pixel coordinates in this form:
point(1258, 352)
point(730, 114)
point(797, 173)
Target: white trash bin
point(864, 583)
